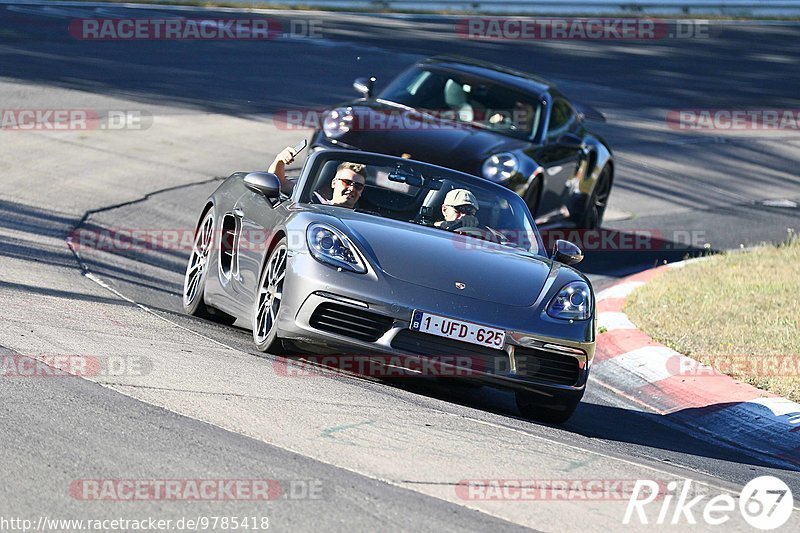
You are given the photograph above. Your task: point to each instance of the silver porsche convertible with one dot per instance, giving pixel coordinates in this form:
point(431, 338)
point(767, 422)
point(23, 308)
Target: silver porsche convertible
point(383, 256)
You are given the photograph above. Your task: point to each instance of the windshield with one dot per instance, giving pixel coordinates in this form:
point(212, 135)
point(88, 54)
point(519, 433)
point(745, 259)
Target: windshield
point(470, 100)
point(424, 195)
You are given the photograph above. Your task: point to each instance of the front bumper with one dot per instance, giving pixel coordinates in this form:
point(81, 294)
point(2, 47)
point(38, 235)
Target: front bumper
point(310, 285)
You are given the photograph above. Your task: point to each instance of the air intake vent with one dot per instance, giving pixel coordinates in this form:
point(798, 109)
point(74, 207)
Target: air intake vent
point(547, 367)
point(228, 246)
point(350, 322)
point(480, 358)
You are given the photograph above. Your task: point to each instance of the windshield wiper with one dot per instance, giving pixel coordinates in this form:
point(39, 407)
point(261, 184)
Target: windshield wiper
point(395, 104)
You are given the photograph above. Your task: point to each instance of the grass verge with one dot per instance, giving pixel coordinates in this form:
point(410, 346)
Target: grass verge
point(738, 312)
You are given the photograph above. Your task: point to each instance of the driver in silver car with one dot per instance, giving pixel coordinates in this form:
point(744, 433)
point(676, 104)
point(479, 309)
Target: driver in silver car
point(459, 209)
point(347, 184)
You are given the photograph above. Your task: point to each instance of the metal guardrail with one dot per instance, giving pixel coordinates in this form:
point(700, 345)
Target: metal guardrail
point(696, 7)
point(745, 8)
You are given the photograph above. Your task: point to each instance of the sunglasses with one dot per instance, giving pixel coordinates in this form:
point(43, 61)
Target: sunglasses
point(357, 185)
point(464, 209)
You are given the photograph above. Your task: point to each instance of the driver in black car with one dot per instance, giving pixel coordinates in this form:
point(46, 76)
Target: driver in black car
point(459, 209)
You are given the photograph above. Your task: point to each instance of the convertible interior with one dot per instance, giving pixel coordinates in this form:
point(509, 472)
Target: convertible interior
point(386, 198)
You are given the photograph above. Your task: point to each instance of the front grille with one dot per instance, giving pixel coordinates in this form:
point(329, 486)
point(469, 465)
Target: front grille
point(351, 322)
point(547, 366)
point(480, 358)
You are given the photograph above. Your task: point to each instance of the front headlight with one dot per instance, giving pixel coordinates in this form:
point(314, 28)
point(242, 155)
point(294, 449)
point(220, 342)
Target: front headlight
point(330, 246)
point(573, 302)
point(500, 167)
point(338, 122)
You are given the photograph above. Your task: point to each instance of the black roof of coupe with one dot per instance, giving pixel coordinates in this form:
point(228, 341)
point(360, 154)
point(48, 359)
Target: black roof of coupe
point(522, 81)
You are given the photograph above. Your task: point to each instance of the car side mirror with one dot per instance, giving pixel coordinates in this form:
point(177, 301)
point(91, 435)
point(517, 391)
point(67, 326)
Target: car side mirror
point(567, 253)
point(265, 183)
point(570, 140)
point(364, 86)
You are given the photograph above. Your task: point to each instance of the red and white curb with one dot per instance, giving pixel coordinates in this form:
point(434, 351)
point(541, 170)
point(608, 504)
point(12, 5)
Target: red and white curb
point(684, 390)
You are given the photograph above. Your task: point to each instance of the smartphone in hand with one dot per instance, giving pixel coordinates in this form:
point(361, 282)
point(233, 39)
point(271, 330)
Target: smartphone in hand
point(299, 147)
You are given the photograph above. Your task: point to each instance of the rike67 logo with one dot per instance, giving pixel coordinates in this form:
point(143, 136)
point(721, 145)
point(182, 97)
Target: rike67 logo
point(765, 503)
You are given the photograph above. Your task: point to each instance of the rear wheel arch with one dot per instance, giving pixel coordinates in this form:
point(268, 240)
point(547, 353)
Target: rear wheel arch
point(592, 163)
point(209, 205)
point(198, 305)
point(591, 217)
point(599, 156)
point(601, 159)
point(610, 166)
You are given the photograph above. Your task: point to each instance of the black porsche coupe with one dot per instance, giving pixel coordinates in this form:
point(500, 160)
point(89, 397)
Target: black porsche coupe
point(506, 126)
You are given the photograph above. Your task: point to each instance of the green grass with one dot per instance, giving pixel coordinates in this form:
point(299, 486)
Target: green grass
point(735, 311)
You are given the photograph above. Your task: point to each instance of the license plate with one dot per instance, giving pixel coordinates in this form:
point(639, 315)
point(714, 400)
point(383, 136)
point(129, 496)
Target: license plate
point(458, 330)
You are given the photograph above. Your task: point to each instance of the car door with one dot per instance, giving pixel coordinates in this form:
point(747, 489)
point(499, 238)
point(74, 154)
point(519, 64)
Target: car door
point(559, 155)
point(228, 252)
point(259, 218)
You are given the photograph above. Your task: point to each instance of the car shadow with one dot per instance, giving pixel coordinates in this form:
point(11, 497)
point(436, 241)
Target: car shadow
point(622, 252)
point(647, 429)
point(590, 419)
point(671, 432)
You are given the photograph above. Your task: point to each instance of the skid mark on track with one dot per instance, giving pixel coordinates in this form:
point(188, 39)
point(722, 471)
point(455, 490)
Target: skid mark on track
point(120, 386)
point(88, 214)
point(575, 465)
point(329, 432)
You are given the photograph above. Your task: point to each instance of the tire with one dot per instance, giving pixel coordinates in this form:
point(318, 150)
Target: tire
point(267, 300)
point(598, 201)
point(194, 281)
point(530, 406)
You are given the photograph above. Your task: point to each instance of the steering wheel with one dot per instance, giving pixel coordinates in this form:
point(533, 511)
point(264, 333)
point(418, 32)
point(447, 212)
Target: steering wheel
point(317, 198)
point(483, 232)
point(469, 221)
point(424, 216)
point(471, 231)
point(503, 123)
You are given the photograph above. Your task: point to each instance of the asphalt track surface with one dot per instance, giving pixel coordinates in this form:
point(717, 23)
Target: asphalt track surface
point(386, 455)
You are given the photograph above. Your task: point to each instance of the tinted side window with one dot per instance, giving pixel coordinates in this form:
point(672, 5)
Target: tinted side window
point(561, 118)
